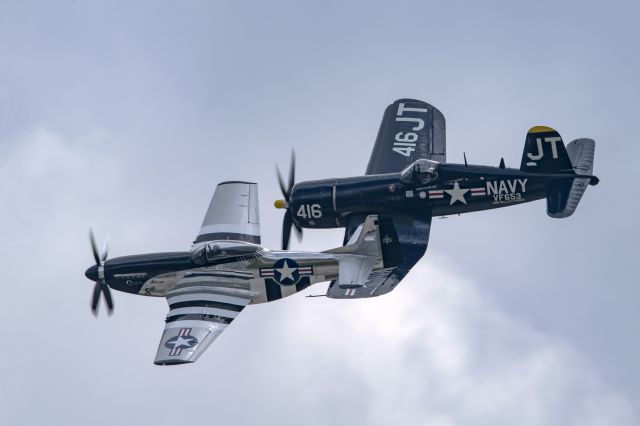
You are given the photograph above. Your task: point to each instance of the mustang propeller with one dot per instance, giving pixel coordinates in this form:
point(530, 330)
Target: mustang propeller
point(287, 222)
point(98, 275)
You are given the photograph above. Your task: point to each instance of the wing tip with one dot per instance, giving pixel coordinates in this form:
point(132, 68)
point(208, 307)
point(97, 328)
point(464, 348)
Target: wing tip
point(164, 362)
point(236, 182)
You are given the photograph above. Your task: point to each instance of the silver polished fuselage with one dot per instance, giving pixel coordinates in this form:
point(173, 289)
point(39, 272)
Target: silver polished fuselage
point(263, 276)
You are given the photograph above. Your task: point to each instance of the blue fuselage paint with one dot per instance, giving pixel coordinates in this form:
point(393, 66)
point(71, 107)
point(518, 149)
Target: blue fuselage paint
point(457, 189)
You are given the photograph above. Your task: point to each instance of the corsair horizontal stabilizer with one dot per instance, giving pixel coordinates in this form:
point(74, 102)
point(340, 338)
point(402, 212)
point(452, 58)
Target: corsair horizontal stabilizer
point(564, 195)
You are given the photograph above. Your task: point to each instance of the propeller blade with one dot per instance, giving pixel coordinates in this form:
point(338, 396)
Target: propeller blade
point(105, 251)
point(298, 230)
point(94, 247)
point(283, 189)
point(95, 299)
point(287, 222)
point(107, 296)
point(286, 229)
point(292, 173)
point(101, 285)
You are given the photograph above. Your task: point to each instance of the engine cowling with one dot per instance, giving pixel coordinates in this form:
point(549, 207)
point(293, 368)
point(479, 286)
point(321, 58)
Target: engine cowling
point(329, 203)
point(313, 204)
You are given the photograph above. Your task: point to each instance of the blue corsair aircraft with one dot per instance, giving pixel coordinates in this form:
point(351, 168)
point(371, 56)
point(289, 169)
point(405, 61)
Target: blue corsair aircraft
point(408, 181)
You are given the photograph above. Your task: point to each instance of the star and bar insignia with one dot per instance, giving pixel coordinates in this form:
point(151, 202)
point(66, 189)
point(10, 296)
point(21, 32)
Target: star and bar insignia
point(184, 340)
point(286, 271)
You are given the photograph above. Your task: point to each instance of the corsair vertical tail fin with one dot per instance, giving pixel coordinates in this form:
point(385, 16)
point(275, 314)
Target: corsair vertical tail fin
point(544, 152)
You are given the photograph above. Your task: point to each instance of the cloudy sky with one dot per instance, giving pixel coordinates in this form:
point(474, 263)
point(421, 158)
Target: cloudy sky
point(124, 117)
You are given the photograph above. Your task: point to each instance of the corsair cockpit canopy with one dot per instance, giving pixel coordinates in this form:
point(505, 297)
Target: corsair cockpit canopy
point(422, 171)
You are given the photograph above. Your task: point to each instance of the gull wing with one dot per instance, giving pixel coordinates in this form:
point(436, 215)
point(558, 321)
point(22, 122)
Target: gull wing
point(232, 214)
point(410, 130)
point(198, 313)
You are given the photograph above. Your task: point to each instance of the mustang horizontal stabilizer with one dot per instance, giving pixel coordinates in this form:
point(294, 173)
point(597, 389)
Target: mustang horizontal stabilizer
point(232, 214)
point(409, 237)
point(564, 196)
point(361, 254)
point(410, 129)
point(353, 271)
point(198, 313)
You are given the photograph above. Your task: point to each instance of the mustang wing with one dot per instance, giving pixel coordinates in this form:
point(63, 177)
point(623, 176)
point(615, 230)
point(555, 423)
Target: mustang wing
point(198, 313)
point(232, 214)
point(404, 241)
point(410, 129)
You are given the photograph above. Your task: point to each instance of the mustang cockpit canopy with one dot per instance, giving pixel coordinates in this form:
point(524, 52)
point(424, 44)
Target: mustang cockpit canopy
point(214, 252)
point(421, 171)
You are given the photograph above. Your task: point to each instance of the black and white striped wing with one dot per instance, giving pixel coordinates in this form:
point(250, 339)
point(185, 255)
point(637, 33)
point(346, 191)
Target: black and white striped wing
point(197, 316)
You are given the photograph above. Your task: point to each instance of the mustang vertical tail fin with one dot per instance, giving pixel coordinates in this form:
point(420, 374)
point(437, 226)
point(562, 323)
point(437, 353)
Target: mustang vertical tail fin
point(544, 152)
point(360, 256)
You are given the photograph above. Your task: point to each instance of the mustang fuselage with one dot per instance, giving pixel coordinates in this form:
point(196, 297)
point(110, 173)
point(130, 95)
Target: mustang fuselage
point(239, 267)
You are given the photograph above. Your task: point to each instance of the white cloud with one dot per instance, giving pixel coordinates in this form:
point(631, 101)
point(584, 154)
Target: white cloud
point(438, 351)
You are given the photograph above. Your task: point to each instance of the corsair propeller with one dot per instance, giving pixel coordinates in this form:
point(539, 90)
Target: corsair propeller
point(101, 283)
point(287, 222)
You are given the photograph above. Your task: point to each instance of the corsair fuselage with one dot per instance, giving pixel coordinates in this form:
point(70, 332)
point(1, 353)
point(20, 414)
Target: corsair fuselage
point(456, 189)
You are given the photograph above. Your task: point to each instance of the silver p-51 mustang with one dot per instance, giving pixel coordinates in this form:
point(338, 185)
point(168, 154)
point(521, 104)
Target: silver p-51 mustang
point(226, 270)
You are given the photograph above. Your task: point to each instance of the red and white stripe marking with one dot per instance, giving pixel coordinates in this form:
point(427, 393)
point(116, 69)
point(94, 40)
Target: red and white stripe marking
point(270, 272)
point(266, 272)
point(436, 194)
point(478, 191)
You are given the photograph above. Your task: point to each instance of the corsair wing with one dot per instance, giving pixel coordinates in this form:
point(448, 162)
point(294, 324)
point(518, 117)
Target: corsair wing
point(198, 313)
point(410, 130)
point(403, 240)
point(232, 214)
